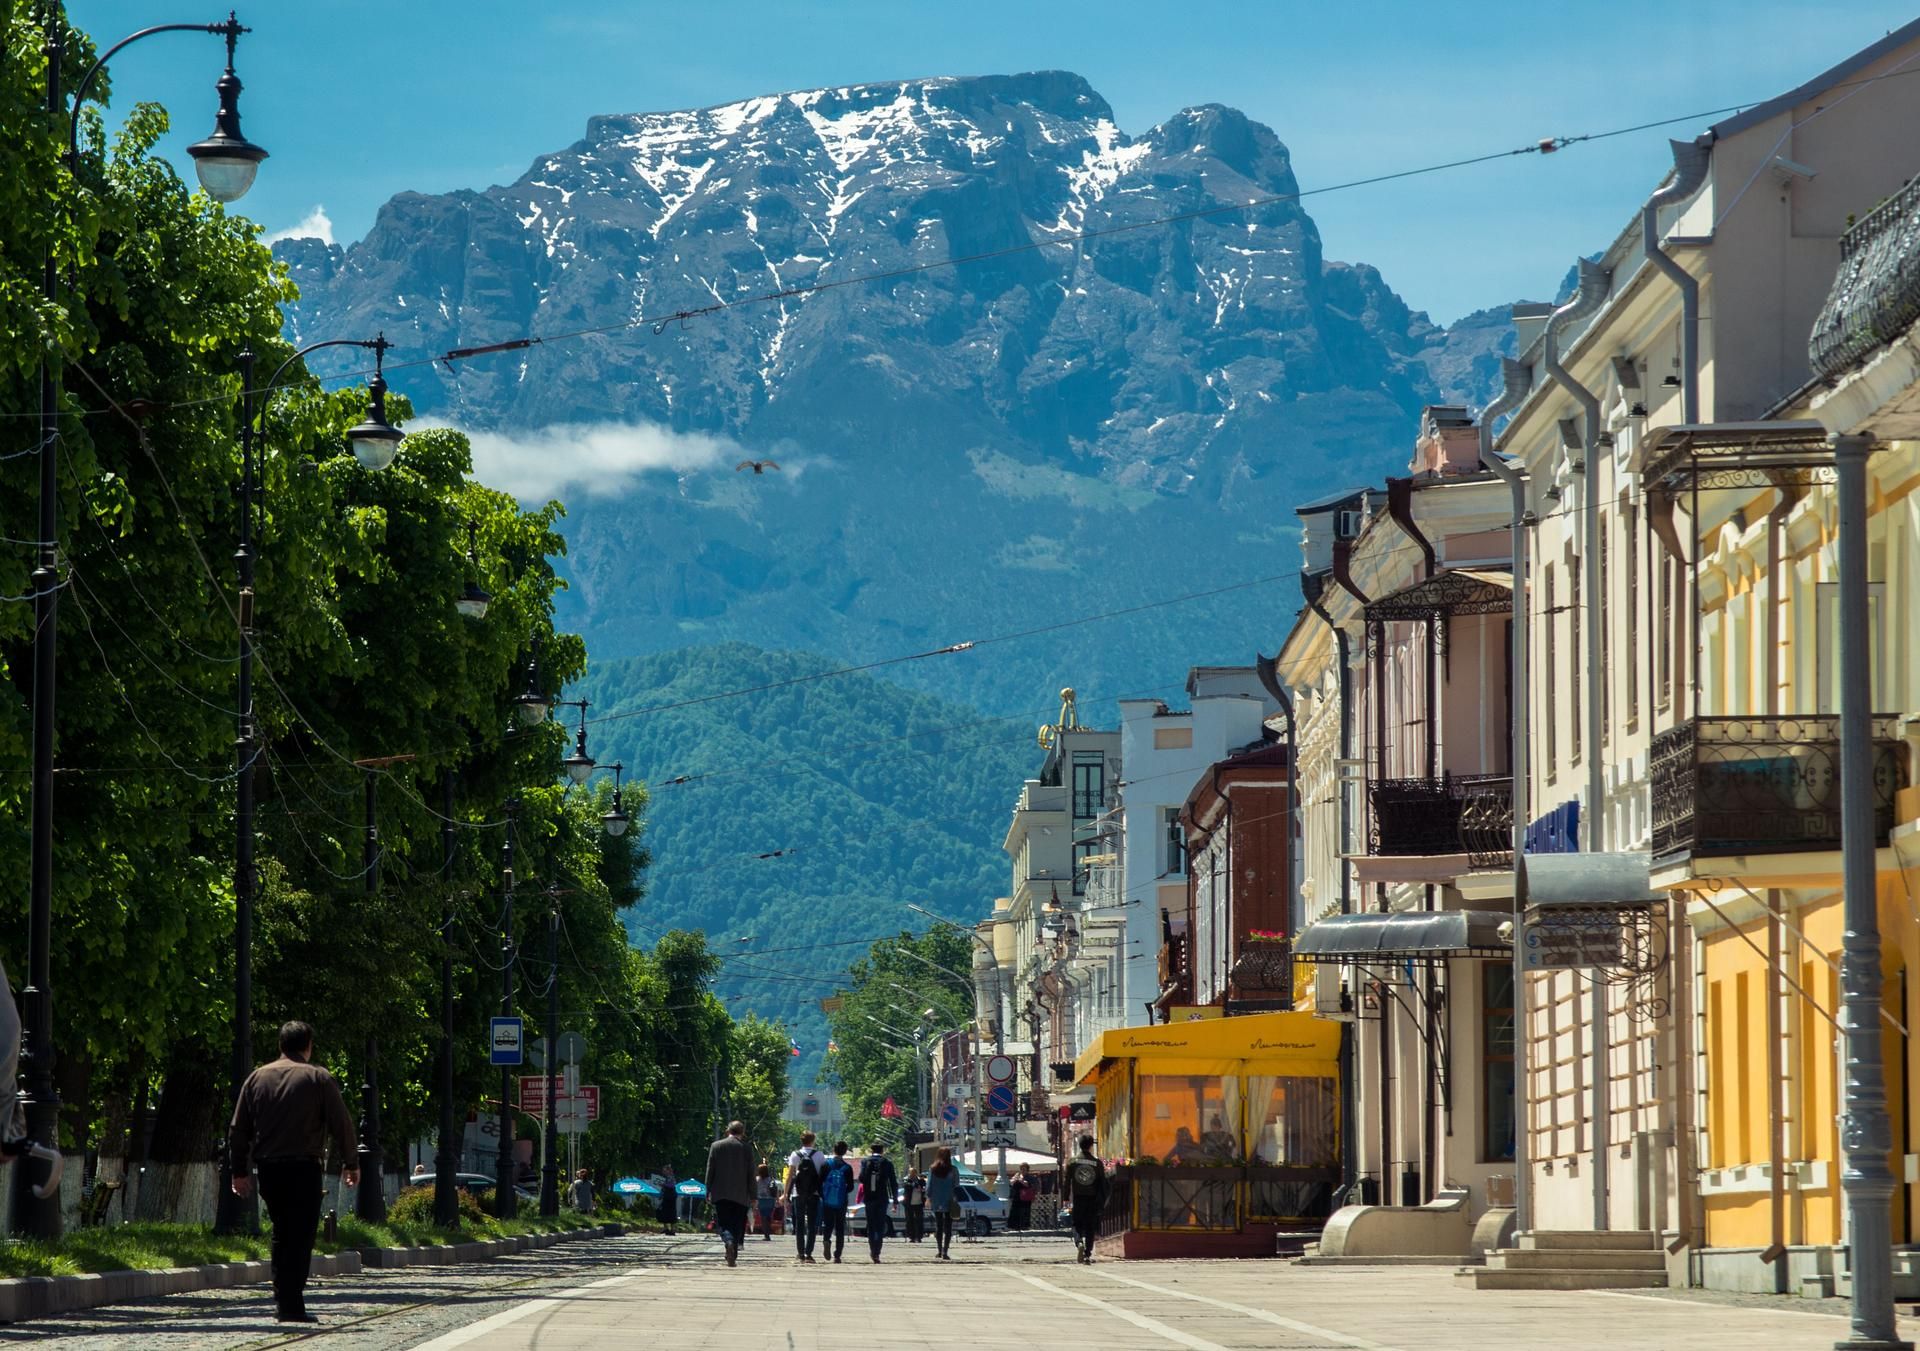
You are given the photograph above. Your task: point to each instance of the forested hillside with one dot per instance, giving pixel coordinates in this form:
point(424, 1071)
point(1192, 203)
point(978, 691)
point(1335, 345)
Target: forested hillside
point(809, 814)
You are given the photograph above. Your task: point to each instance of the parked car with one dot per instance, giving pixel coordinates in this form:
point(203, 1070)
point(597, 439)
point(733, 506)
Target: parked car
point(476, 1183)
point(980, 1210)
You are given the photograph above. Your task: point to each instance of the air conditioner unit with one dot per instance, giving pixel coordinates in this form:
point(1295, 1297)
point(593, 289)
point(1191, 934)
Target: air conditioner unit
point(1330, 979)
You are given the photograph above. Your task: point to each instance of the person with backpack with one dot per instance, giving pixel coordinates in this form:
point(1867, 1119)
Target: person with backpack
point(880, 1185)
point(766, 1194)
point(1087, 1186)
point(836, 1191)
point(943, 1199)
point(804, 1167)
point(913, 1197)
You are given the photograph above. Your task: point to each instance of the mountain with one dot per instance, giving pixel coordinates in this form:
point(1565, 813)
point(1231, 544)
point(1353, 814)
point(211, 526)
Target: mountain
point(1126, 413)
point(793, 825)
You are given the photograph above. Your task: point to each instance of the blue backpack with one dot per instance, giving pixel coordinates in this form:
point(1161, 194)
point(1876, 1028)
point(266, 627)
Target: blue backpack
point(834, 1182)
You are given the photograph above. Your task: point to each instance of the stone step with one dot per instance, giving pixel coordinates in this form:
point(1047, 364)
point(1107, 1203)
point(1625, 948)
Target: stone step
point(1613, 1240)
point(1577, 1259)
point(1496, 1278)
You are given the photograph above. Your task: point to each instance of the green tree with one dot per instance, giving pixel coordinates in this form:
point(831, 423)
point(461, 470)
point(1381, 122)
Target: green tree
point(883, 1006)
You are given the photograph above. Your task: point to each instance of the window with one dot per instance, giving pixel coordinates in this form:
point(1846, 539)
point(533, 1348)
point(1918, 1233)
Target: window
point(1176, 861)
point(1629, 528)
point(1549, 677)
point(1346, 525)
point(1826, 608)
point(1190, 1118)
point(1575, 713)
point(1663, 650)
point(1089, 783)
point(1605, 692)
point(1297, 1121)
point(1496, 1060)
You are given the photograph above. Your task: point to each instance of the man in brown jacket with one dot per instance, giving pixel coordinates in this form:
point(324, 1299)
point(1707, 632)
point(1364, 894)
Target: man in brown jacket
point(280, 1127)
point(730, 1177)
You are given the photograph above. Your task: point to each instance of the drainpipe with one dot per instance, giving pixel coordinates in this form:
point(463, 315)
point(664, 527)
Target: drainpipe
point(1514, 376)
point(1312, 586)
point(1266, 668)
point(1776, 1251)
point(1587, 299)
point(1690, 161)
point(1400, 508)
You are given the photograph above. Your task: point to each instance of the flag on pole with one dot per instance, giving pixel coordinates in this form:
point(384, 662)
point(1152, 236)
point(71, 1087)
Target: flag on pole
point(889, 1109)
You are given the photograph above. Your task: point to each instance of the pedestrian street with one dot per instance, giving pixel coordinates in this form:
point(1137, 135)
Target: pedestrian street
point(1006, 1293)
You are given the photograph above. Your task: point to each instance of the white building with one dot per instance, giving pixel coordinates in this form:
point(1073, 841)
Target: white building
point(1164, 752)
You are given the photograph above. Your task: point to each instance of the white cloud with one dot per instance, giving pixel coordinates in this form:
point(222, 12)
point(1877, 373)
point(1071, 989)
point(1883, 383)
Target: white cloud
point(603, 459)
point(317, 225)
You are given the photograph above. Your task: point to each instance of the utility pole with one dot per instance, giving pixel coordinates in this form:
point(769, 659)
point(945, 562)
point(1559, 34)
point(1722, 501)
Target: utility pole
point(446, 1197)
point(1866, 1137)
point(550, 1165)
point(370, 1201)
point(505, 1203)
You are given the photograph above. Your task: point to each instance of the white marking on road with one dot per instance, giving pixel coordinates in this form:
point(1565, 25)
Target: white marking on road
point(1264, 1315)
point(1153, 1325)
point(473, 1332)
point(1710, 1307)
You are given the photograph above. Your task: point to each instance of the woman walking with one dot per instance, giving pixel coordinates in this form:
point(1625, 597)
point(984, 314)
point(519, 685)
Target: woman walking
point(913, 1198)
point(943, 1198)
point(669, 1199)
point(766, 1191)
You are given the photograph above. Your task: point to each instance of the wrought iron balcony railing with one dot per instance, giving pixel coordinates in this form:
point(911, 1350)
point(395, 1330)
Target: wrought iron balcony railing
point(1762, 785)
point(1434, 816)
point(1876, 293)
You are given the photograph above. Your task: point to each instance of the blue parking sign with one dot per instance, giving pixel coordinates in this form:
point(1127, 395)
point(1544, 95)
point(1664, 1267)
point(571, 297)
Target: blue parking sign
point(506, 1041)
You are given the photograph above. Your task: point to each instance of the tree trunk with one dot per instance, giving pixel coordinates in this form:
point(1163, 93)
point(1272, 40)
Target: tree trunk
point(179, 1181)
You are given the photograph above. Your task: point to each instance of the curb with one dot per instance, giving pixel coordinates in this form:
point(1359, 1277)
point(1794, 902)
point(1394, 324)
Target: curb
point(27, 1297)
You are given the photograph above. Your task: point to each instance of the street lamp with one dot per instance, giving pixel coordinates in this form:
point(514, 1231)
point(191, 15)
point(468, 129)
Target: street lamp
point(473, 601)
point(376, 441)
point(231, 1213)
point(226, 161)
point(532, 705)
point(35, 1215)
point(579, 765)
point(615, 820)
point(999, 1033)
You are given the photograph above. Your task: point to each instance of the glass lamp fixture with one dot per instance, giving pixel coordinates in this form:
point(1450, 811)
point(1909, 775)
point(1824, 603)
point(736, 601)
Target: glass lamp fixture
point(616, 820)
point(376, 441)
point(579, 765)
point(227, 161)
point(474, 600)
point(530, 705)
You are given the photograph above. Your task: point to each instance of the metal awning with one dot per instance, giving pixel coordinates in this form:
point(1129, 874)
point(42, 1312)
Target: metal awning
point(1710, 455)
point(1456, 591)
point(1588, 881)
point(1405, 935)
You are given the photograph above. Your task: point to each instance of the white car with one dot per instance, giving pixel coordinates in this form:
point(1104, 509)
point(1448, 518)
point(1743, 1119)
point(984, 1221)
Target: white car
point(980, 1210)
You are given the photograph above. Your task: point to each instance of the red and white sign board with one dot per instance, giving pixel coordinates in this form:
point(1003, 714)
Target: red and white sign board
point(1000, 1069)
point(582, 1104)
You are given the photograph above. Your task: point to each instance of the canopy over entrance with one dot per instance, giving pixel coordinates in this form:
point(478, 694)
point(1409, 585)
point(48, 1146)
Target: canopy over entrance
point(1406, 935)
point(1261, 1040)
point(990, 1158)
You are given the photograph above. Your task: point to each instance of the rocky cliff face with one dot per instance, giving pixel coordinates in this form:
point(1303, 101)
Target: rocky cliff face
point(1031, 434)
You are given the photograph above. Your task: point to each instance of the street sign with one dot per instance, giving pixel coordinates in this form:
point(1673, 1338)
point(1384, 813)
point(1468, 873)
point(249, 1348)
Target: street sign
point(573, 1048)
point(950, 1113)
point(1000, 1099)
point(537, 1053)
point(925, 1124)
point(506, 1041)
point(583, 1102)
point(1000, 1069)
point(1001, 1125)
point(833, 1003)
point(960, 1092)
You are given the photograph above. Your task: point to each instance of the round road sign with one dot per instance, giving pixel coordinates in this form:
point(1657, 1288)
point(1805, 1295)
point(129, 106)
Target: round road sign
point(1000, 1069)
point(1000, 1098)
point(951, 1112)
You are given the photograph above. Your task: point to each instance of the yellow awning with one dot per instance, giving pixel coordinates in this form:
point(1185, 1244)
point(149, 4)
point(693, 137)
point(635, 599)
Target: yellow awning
point(1260, 1039)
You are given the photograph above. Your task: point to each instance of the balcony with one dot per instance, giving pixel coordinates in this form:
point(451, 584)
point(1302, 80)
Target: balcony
point(1468, 814)
point(1762, 785)
point(1876, 293)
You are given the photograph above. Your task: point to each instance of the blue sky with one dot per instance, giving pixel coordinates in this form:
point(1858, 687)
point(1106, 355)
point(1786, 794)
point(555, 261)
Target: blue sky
point(358, 100)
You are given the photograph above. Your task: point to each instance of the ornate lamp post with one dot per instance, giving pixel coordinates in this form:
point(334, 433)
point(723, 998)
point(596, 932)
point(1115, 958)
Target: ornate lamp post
point(219, 160)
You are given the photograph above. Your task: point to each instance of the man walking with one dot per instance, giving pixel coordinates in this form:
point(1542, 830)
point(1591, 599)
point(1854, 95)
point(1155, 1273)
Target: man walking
point(730, 1186)
point(836, 1190)
point(877, 1177)
point(1087, 1187)
point(287, 1111)
point(804, 1167)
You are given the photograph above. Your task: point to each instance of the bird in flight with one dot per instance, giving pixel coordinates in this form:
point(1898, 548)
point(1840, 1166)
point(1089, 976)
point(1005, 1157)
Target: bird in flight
point(757, 466)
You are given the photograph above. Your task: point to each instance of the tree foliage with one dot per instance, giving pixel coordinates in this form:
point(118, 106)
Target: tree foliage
point(884, 1008)
point(361, 657)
